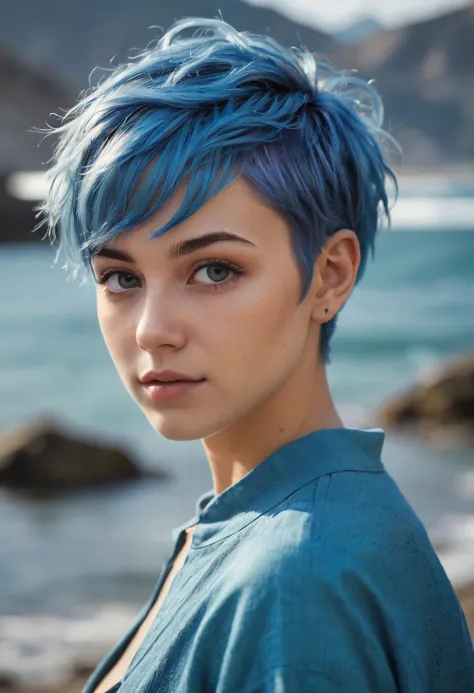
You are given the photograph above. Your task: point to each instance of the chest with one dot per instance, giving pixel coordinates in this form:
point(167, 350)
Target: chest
point(118, 670)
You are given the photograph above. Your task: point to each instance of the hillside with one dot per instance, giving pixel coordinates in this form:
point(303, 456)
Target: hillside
point(425, 74)
point(69, 39)
point(28, 96)
point(62, 42)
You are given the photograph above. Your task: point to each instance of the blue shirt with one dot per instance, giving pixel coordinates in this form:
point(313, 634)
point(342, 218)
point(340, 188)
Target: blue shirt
point(311, 574)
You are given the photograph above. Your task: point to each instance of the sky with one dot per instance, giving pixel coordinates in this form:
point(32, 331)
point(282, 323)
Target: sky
point(337, 14)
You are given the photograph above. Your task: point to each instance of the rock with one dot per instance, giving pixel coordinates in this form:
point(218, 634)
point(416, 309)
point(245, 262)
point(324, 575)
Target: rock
point(41, 457)
point(17, 217)
point(440, 406)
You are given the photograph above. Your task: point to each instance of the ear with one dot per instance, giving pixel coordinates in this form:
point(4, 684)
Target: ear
point(335, 272)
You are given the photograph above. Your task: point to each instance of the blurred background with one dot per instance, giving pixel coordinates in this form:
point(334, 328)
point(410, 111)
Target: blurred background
point(77, 565)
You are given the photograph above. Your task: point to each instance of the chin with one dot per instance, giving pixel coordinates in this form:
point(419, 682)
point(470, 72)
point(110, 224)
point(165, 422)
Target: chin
point(174, 427)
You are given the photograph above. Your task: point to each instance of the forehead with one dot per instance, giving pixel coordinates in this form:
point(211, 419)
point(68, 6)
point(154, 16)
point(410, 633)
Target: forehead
point(236, 211)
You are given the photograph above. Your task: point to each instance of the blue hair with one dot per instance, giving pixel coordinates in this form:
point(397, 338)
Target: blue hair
point(202, 110)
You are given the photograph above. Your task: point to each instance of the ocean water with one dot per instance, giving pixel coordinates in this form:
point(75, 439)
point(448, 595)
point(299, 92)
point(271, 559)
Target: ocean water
point(90, 560)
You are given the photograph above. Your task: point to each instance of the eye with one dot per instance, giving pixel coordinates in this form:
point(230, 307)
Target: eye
point(214, 274)
point(216, 271)
point(117, 282)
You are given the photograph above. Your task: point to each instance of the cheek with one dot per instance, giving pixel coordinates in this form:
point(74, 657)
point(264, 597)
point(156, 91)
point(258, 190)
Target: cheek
point(261, 334)
point(116, 331)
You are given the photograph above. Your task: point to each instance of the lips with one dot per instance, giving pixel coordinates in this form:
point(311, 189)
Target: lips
point(166, 390)
point(175, 380)
point(166, 376)
point(168, 382)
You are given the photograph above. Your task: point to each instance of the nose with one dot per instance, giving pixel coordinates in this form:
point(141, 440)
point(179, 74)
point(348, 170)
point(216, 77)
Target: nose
point(160, 324)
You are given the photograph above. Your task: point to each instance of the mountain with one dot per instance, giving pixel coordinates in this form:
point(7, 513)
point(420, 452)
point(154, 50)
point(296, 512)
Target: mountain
point(28, 96)
point(61, 42)
point(68, 39)
point(359, 31)
point(424, 72)
point(425, 75)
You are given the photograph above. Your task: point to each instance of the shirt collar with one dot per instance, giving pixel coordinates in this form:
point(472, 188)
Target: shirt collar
point(287, 469)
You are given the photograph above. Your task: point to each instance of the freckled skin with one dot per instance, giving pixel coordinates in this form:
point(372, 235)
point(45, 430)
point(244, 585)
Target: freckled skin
point(251, 341)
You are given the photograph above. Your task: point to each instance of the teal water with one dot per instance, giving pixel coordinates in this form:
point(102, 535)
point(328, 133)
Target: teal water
point(414, 308)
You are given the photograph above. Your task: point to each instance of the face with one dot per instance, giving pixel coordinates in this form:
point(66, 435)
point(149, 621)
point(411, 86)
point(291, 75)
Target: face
point(227, 313)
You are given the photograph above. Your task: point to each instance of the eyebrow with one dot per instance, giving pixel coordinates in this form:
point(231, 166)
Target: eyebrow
point(177, 249)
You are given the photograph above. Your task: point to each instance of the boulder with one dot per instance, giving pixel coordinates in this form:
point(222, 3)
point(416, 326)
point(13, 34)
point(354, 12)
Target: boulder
point(40, 456)
point(440, 404)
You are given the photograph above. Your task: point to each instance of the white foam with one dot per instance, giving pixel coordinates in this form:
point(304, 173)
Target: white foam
point(46, 649)
point(433, 213)
point(454, 535)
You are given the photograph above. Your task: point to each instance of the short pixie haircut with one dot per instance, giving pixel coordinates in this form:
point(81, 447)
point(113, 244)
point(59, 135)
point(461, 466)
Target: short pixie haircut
point(202, 109)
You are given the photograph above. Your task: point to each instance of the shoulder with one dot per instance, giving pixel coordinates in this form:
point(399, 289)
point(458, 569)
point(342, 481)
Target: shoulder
point(366, 519)
point(340, 583)
point(296, 600)
point(349, 538)
point(348, 517)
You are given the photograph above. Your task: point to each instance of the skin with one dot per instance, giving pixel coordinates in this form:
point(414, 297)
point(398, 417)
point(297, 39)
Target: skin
point(255, 346)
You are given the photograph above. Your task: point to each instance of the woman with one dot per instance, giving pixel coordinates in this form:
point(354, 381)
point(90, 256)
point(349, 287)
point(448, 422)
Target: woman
point(304, 568)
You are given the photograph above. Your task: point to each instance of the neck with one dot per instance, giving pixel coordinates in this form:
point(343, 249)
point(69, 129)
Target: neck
point(303, 405)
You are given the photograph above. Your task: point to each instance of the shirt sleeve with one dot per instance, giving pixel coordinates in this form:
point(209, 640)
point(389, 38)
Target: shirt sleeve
point(310, 631)
point(287, 680)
